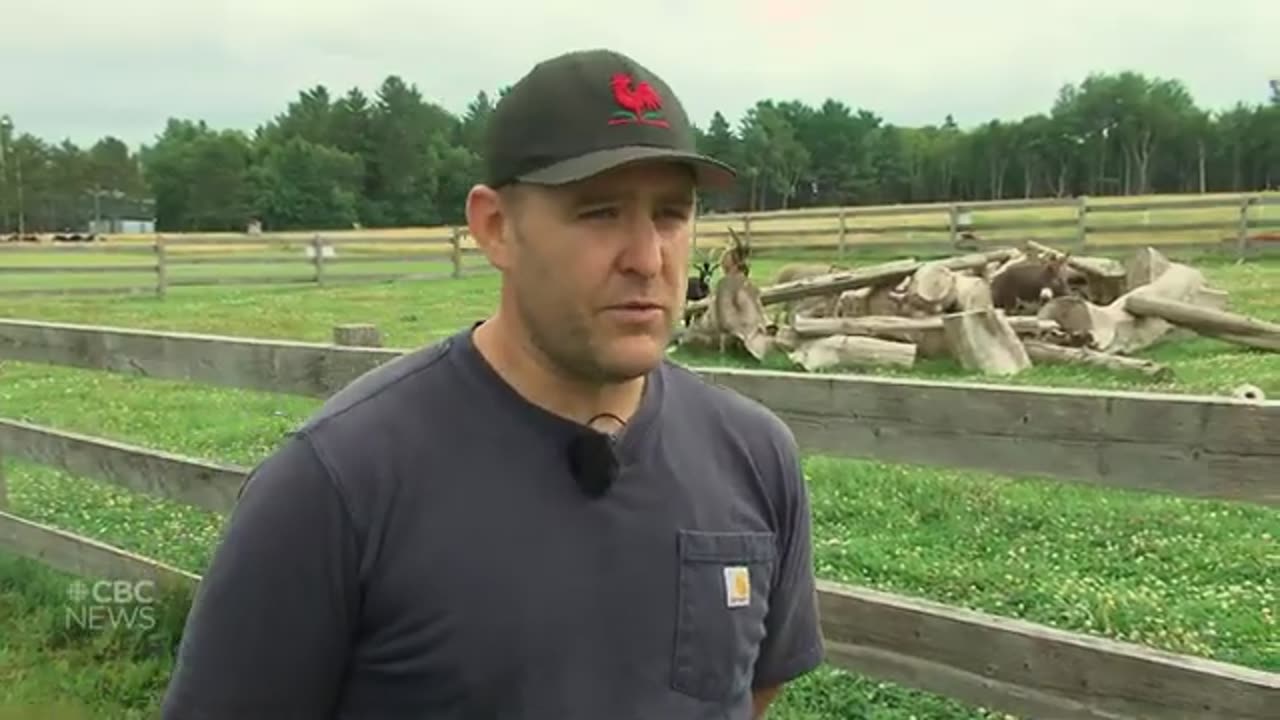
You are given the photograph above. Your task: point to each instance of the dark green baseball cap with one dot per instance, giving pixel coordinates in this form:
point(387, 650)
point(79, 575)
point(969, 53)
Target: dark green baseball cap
point(588, 111)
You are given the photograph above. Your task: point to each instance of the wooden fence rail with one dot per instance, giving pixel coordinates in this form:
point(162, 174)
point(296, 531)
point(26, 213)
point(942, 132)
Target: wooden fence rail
point(275, 261)
point(841, 231)
point(1197, 446)
point(953, 222)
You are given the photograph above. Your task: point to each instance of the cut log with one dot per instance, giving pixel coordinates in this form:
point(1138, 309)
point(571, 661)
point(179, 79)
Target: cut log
point(995, 269)
point(1144, 266)
point(1211, 298)
point(872, 276)
point(886, 300)
point(786, 339)
point(1113, 329)
point(839, 351)
point(971, 293)
point(1228, 326)
point(1204, 297)
point(819, 306)
point(926, 333)
point(853, 303)
point(1098, 267)
point(932, 288)
point(1043, 352)
point(889, 326)
point(977, 261)
point(1080, 318)
point(984, 340)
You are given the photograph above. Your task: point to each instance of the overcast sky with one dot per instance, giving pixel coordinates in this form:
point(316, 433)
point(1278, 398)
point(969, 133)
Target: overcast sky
point(83, 69)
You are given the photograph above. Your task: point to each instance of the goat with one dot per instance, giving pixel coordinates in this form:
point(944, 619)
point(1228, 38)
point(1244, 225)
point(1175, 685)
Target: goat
point(1029, 282)
point(699, 286)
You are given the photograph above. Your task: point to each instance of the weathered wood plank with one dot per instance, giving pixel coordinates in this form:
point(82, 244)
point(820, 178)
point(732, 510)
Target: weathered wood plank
point(82, 248)
point(437, 236)
point(441, 241)
point(207, 485)
point(1206, 447)
point(75, 269)
point(295, 368)
point(1194, 203)
point(1029, 669)
point(79, 291)
point(83, 556)
point(1106, 229)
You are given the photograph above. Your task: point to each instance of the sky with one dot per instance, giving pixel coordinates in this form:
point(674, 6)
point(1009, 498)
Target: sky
point(81, 69)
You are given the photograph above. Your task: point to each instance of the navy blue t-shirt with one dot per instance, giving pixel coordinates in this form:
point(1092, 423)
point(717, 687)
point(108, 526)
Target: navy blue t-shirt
point(420, 549)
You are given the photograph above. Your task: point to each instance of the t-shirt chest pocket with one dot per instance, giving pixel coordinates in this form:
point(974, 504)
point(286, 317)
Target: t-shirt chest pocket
point(723, 597)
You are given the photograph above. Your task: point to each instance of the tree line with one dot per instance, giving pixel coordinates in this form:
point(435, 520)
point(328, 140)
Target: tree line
point(397, 158)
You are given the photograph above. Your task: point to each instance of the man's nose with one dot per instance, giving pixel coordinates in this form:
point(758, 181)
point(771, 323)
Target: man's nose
point(643, 253)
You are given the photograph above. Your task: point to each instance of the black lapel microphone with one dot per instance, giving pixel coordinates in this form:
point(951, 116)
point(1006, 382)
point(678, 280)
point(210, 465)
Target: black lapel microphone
point(592, 460)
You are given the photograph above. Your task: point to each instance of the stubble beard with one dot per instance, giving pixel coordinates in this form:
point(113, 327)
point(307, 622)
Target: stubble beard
point(566, 343)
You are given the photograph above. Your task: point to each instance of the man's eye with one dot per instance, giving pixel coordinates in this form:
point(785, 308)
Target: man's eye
point(599, 213)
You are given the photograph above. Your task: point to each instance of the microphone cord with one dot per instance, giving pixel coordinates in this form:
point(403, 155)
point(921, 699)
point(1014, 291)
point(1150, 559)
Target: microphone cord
point(607, 415)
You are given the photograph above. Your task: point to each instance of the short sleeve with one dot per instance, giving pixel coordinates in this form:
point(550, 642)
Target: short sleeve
point(793, 635)
point(269, 632)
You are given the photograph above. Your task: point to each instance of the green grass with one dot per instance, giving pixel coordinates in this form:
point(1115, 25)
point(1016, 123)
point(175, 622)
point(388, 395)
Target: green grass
point(1189, 576)
point(411, 313)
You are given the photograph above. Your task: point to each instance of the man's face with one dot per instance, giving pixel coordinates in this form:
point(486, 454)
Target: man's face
point(597, 270)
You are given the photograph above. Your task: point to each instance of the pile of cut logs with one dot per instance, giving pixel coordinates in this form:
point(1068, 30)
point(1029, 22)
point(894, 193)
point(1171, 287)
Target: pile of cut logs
point(995, 312)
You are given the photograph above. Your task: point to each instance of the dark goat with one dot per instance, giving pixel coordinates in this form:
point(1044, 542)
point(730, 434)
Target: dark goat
point(700, 286)
point(1029, 282)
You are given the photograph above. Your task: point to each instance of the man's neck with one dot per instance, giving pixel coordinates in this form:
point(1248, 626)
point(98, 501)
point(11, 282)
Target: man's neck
point(534, 377)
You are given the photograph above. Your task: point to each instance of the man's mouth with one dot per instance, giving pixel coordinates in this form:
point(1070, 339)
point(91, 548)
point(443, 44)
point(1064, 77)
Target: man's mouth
point(641, 311)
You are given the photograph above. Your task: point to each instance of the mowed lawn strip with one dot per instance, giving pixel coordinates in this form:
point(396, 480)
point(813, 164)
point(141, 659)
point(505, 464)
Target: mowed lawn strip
point(1182, 575)
point(411, 313)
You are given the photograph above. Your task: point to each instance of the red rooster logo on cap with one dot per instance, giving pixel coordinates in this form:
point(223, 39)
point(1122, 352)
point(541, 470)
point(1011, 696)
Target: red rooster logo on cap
point(641, 104)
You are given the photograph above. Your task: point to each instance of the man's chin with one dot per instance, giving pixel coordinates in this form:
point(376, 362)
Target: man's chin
point(635, 355)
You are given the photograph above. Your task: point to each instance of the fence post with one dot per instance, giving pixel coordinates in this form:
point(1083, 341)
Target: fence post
point(1242, 229)
point(693, 230)
point(844, 229)
point(162, 275)
point(357, 335)
point(1082, 222)
point(953, 223)
point(317, 257)
point(4, 486)
point(455, 252)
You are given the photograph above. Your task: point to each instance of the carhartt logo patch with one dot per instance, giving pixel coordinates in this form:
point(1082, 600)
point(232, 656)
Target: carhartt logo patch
point(640, 104)
point(737, 586)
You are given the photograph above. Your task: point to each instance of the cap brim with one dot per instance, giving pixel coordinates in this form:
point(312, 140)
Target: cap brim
point(709, 172)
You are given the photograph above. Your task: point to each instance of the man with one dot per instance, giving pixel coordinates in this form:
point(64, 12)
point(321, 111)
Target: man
point(447, 537)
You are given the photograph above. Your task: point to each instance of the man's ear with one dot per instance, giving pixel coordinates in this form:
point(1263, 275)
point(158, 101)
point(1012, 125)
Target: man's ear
point(487, 217)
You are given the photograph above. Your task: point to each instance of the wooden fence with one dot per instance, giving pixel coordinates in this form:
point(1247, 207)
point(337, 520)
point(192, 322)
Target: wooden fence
point(1212, 223)
point(1232, 224)
point(1202, 447)
point(176, 260)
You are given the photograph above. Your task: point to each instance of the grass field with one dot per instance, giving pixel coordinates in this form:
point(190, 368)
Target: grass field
point(1190, 576)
